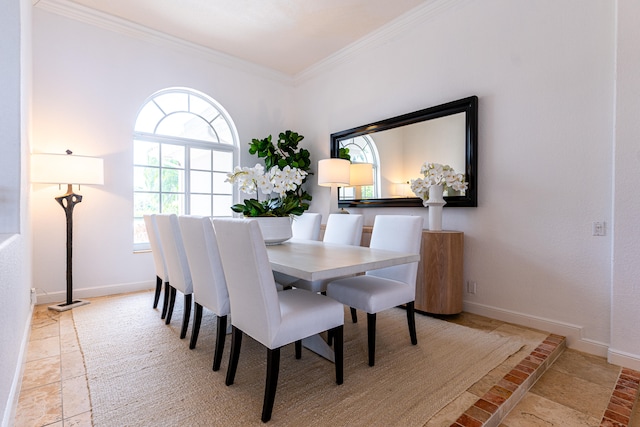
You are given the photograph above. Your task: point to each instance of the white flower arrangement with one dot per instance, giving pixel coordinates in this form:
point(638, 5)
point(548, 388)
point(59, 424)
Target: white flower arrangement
point(437, 174)
point(276, 180)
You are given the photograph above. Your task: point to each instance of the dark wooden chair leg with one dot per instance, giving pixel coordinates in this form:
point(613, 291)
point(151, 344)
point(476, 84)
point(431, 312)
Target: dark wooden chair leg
point(172, 302)
point(354, 315)
point(185, 316)
point(165, 303)
point(411, 321)
point(299, 349)
point(338, 353)
point(371, 332)
point(330, 337)
point(234, 355)
point(273, 367)
point(197, 320)
point(156, 297)
point(221, 333)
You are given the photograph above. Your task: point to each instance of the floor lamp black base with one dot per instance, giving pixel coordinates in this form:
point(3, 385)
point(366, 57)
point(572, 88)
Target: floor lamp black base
point(63, 306)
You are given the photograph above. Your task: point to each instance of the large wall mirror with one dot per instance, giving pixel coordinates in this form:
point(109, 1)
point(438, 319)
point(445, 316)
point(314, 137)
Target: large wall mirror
point(398, 146)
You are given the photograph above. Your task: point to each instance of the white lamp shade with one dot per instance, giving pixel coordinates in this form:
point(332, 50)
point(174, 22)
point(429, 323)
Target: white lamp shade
point(66, 169)
point(334, 172)
point(361, 174)
point(403, 189)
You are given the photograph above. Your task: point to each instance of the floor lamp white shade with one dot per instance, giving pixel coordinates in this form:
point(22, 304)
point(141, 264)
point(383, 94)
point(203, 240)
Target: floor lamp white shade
point(334, 173)
point(67, 169)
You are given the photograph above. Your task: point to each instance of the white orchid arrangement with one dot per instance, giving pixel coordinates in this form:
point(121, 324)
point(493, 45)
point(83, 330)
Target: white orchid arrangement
point(437, 174)
point(276, 180)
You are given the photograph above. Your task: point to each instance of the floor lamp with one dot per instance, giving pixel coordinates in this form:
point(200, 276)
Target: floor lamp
point(333, 173)
point(67, 169)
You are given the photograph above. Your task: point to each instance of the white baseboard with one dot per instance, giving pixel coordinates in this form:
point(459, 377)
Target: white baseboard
point(573, 333)
point(621, 358)
point(123, 288)
point(14, 394)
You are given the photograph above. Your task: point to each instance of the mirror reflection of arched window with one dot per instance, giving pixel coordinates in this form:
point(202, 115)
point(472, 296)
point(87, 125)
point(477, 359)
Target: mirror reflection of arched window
point(362, 149)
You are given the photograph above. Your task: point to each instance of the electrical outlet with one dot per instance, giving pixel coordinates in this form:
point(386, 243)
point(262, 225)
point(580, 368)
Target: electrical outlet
point(598, 229)
point(34, 296)
point(471, 287)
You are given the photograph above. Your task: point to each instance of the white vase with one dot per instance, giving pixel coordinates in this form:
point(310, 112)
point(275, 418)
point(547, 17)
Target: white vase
point(435, 202)
point(275, 230)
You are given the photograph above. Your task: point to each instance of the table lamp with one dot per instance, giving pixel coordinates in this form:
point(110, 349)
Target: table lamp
point(67, 169)
point(333, 173)
point(403, 189)
point(360, 174)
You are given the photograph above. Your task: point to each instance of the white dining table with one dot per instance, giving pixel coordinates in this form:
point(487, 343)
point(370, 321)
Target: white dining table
point(315, 260)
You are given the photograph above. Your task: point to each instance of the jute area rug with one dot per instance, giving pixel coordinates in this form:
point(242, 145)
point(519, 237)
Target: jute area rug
point(141, 374)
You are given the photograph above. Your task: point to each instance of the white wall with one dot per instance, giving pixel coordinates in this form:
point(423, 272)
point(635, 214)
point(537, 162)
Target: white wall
point(15, 275)
point(544, 75)
point(10, 115)
point(89, 83)
point(625, 299)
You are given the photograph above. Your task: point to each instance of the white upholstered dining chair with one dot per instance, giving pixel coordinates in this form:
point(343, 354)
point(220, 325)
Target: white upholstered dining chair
point(162, 276)
point(389, 287)
point(272, 318)
point(209, 284)
point(177, 265)
point(306, 226)
point(344, 229)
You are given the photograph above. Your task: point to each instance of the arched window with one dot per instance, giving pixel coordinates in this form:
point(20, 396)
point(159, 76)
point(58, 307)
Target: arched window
point(184, 144)
point(362, 149)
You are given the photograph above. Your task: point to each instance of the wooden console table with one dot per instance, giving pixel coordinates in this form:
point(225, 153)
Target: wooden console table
point(439, 283)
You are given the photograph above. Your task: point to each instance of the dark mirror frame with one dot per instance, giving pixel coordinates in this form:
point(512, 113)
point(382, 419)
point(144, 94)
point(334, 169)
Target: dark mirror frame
point(466, 105)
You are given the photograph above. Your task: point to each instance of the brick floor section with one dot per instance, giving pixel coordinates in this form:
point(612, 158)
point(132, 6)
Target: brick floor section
point(483, 410)
point(624, 396)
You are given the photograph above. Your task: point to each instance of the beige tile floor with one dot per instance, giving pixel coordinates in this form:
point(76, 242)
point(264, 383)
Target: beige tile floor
point(54, 388)
point(575, 391)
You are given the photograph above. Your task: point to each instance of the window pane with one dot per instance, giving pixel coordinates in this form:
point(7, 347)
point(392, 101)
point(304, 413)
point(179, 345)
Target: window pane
point(223, 130)
point(222, 206)
point(367, 192)
point(201, 204)
point(219, 186)
point(347, 193)
point(145, 203)
point(139, 231)
point(145, 179)
point(200, 159)
point(173, 156)
point(148, 117)
point(186, 125)
point(223, 161)
point(202, 108)
point(172, 181)
point(173, 204)
point(161, 183)
point(200, 182)
point(146, 153)
point(172, 102)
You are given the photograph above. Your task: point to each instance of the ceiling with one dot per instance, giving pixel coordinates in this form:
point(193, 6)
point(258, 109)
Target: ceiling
point(285, 35)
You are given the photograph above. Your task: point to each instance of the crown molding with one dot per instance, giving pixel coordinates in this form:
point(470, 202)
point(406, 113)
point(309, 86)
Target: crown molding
point(115, 24)
point(419, 14)
point(103, 20)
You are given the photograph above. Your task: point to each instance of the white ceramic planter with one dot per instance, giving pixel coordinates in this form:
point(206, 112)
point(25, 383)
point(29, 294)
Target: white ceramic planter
point(275, 230)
